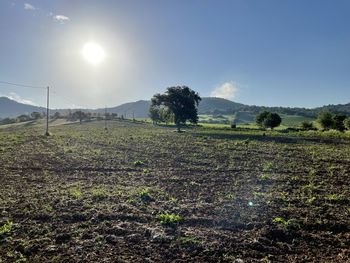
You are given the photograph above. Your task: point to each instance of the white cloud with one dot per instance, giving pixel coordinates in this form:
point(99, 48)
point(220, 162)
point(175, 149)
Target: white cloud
point(228, 90)
point(14, 96)
point(29, 7)
point(61, 18)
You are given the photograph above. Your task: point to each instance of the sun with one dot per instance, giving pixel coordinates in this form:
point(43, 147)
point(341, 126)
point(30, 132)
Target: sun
point(93, 53)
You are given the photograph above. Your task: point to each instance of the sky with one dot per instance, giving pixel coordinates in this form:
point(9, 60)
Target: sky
point(274, 53)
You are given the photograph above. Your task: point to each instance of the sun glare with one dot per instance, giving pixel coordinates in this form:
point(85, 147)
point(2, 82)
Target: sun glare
point(93, 53)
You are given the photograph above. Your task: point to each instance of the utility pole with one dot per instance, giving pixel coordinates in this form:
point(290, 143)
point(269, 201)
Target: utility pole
point(133, 116)
point(47, 111)
point(105, 117)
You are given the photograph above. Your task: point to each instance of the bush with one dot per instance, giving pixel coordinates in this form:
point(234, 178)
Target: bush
point(307, 126)
point(326, 120)
point(338, 122)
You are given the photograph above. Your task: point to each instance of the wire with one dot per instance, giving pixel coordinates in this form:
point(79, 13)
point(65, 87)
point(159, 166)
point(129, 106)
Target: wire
point(66, 99)
point(38, 87)
point(21, 85)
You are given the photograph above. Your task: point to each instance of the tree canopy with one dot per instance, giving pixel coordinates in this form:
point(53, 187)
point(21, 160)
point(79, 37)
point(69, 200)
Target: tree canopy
point(268, 119)
point(181, 101)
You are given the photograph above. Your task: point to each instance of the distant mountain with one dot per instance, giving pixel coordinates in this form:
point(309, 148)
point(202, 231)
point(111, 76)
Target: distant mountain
point(139, 109)
point(11, 108)
point(211, 105)
point(208, 105)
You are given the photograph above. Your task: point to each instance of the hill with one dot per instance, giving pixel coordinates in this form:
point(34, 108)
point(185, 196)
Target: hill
point(139, 109)
point(208, 105)
point(11, 108)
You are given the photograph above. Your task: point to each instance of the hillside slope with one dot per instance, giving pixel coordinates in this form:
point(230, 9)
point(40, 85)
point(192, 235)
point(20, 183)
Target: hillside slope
point(11, 108)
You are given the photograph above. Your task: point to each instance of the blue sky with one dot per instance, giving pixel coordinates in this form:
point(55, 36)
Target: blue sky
point(271, 52)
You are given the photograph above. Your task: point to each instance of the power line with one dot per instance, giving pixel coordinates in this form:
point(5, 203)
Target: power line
point(66, 99)
point(21, 85)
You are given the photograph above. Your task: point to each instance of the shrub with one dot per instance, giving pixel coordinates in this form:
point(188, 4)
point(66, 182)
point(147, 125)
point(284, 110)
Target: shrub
point(326, 120)
point(307, 126)
point(338, 122)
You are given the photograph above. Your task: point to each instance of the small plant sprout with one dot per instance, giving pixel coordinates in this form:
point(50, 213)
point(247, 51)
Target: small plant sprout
point(75, 192)
point(267, 166)
point(6, 228)
point(169, 219)
point(138, 163)
point(146, 171)
point(145, 195)
point(284, 223)
point(99, 193)
point(265, 176)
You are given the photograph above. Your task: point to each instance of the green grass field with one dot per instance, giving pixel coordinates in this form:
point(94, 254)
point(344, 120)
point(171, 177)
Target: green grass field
point(248, 118)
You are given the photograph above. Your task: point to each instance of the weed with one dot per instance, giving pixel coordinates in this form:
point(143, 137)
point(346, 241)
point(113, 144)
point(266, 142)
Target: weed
point(310, 200)
point(146, 171)
point(169, 219)
point(265, 176)
point(99, 193)
point(6, 228)
point(145, 195)
point(333, 197)
point(138, 163)
point(75, 192)
point(284, 223)
point(267, 166)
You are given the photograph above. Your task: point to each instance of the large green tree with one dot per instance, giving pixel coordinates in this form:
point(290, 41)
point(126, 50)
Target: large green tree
point(181, 101)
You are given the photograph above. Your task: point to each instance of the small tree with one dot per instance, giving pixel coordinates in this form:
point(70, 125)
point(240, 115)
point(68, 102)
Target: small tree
point(272, 121)
point(80, 115)
point(35, 115)
point(326, 120)
point(347, 123)
point(181, 101)
point(338, 122)
point(268, 120)
point(23, 118)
